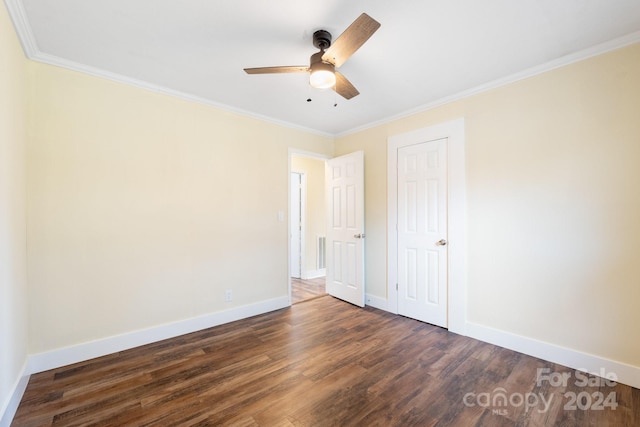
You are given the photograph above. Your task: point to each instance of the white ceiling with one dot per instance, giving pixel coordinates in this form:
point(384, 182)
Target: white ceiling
point(425, 52)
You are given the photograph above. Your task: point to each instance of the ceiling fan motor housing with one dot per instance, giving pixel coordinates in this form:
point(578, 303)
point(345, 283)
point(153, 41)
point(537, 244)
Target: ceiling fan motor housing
point(322, 39)
point(316, 63)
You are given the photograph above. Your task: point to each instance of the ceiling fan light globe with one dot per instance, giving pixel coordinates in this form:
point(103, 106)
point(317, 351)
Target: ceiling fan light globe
point(322, 79)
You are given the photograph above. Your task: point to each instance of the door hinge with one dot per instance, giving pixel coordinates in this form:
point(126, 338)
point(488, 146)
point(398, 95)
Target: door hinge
point(396, 286)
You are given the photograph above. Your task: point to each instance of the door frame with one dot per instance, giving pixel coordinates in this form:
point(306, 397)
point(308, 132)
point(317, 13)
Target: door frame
point(456, 213)
point(299, 153)
point(302, 218)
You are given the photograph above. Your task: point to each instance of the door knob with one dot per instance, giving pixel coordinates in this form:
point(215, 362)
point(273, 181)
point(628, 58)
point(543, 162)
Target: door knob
point(441, 242)
point(359, 236)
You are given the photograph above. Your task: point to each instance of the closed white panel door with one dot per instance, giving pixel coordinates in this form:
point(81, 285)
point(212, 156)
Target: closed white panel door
point(422, 231)
point(344, 180)
point(295, 225)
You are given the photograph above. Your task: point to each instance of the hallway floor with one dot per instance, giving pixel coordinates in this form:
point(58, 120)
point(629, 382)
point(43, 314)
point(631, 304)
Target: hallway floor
point(305, 289)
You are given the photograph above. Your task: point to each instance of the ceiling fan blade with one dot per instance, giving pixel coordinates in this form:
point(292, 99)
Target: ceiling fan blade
point(276, 70)
point(351, 40)
point(344, 87)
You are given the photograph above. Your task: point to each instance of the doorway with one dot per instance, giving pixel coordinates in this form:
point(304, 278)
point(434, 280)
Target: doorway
point(307, 227)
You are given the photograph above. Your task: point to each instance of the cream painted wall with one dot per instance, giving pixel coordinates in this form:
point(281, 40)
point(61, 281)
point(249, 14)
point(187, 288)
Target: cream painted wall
point(13, 268)
point(315, 208)
point(143, 209)
point(553, 204)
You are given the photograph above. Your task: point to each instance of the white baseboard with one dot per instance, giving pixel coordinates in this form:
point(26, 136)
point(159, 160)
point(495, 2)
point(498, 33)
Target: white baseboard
point(10, 406)
point(314, 274)
point(77, 353)
point(376, 302)
point(626, 374)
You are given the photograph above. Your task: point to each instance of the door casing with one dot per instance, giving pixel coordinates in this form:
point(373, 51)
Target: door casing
point(297, 223)
point(456, 199)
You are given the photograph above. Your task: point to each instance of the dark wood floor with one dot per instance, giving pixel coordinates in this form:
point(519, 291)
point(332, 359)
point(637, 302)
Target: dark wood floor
point(322, 362)
point(305, 289)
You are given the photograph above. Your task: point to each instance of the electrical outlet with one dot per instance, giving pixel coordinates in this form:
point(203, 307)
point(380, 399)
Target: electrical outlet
point(228, 295)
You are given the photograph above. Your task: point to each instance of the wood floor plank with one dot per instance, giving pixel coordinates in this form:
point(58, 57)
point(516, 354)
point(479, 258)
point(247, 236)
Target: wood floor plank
point(305, 289)
point(322, 362)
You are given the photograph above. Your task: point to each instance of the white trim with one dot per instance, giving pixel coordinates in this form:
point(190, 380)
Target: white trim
point(456, 234)
point(626, 374)
point(303, 222)
point(376, 302)
point(314, 274)
point(10, 406)
point(77, 353)
point(311, 154)
point(28, 41)
point(46, 58)
point(572, 58)
point(23, 28)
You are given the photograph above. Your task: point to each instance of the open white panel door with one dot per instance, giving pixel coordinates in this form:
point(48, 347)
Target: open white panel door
point(344, 184)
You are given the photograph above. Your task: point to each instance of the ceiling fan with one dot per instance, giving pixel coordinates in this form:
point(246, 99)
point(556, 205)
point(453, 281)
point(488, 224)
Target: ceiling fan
point(323, 64)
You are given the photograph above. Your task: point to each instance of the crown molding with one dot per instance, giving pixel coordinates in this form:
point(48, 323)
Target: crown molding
point(596, 50)
point(27, 39)
point(46, 58)
point(21, 23)
point(29, 45)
